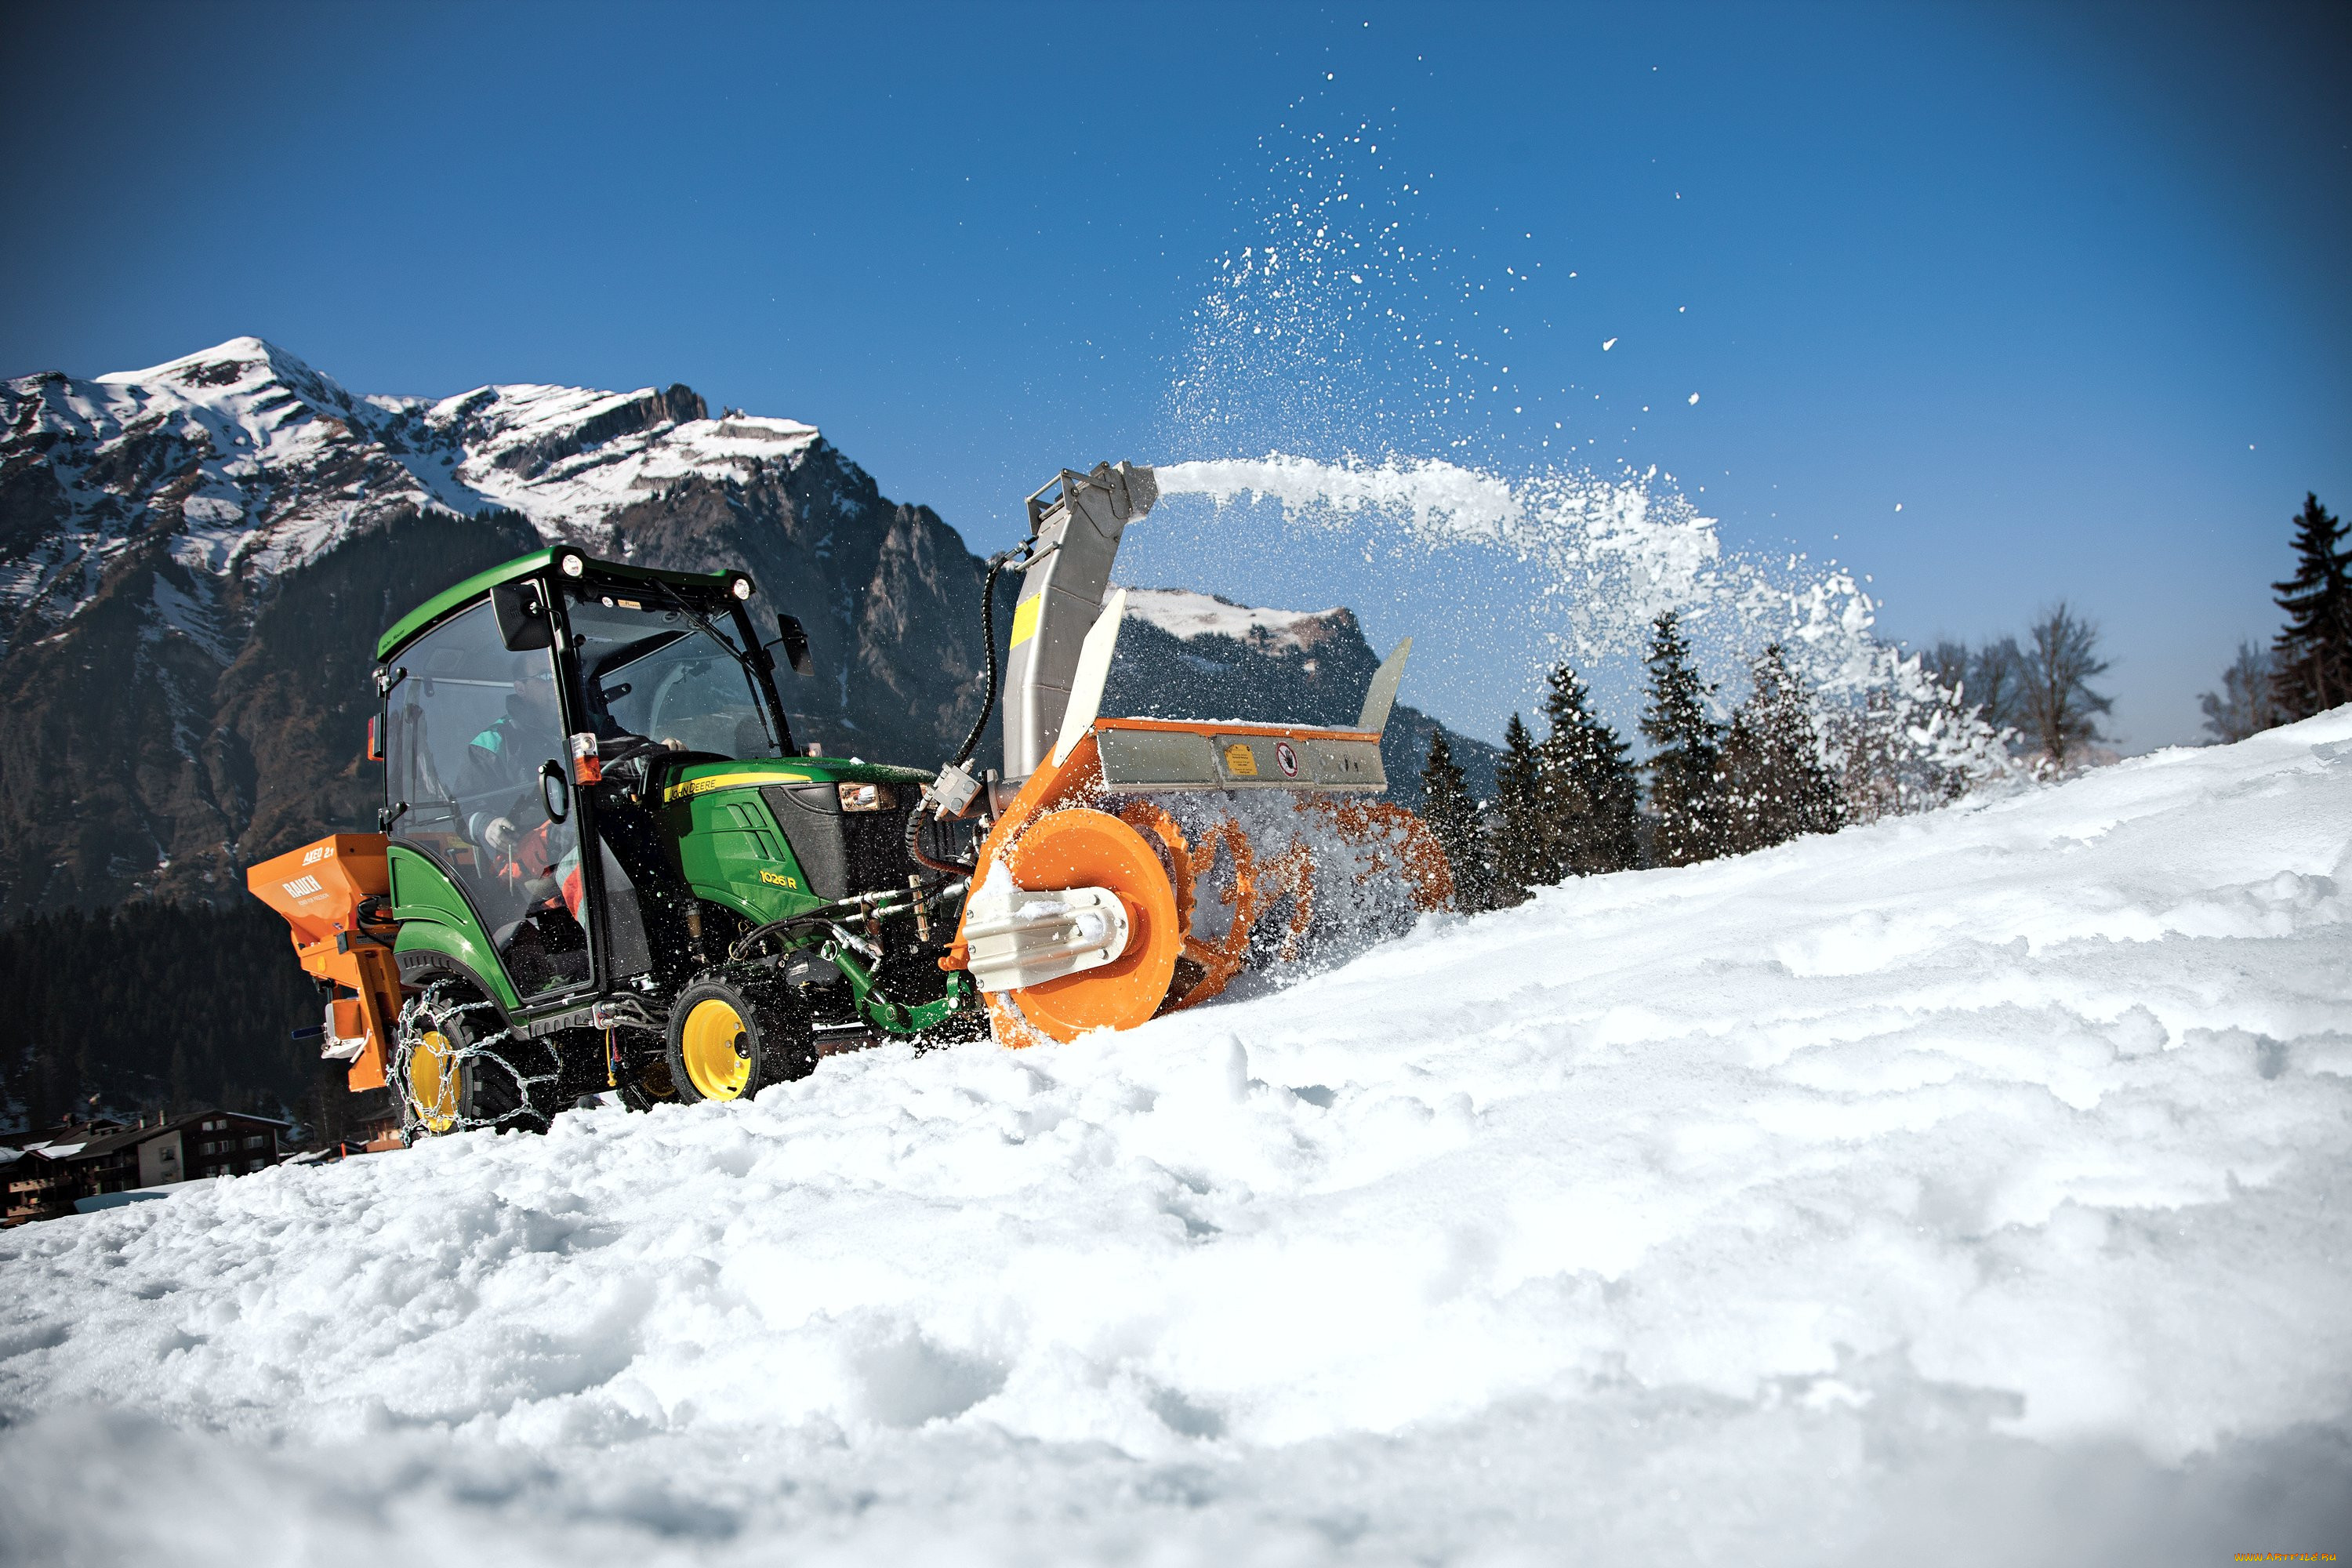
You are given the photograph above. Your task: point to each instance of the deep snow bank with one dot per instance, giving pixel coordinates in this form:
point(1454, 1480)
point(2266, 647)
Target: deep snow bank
point(1962, 1186)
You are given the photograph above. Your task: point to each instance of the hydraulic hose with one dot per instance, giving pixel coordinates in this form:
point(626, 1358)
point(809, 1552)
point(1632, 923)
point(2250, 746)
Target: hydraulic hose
point(915, 847)
point(996, 563)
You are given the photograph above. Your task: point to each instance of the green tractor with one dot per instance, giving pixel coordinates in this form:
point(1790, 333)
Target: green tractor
point(604, 867)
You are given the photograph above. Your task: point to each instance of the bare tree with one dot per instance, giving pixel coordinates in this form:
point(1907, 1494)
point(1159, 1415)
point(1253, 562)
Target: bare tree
point(1997, 683)
point(2246, 704)
point(1946, 663)
point(2056, 703)
point(1986, 681)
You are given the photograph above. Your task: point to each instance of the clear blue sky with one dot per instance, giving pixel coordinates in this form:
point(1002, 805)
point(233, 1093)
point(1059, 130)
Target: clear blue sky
point(2069, 284)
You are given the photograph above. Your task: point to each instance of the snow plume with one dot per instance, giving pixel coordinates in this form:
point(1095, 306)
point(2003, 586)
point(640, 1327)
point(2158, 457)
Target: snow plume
point(1971, 1189)
point(1334, 322)
point(1609, 555)
point(1333, 327)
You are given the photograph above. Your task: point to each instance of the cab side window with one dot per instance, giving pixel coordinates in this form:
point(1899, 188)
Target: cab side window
point(467, 733)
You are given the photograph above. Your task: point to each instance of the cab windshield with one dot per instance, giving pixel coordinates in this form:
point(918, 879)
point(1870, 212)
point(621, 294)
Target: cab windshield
point(651, 672)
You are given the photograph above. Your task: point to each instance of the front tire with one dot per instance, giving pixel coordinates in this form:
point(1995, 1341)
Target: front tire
point(457, 1067)
point(733, 1033)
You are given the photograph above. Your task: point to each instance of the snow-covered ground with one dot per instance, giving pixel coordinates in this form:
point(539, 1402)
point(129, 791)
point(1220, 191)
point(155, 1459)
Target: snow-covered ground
point(1974, 1188)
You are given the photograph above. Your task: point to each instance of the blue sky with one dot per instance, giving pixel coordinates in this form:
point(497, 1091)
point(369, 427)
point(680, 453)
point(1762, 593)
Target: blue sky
point(2066, 285)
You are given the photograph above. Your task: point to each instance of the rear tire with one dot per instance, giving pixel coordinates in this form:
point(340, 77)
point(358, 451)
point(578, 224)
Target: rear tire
point(456, 1066)
point(645, 1080)
point(734, 1032)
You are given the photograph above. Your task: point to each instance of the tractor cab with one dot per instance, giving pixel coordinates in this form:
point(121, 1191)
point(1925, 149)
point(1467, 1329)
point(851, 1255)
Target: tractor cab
point(505, 699)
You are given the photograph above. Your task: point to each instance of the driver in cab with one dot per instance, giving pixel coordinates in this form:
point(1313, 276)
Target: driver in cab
point(502, 773)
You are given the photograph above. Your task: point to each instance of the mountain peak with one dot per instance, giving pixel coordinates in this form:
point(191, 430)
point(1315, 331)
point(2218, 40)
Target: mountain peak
point(236, 353)
point(241, 365)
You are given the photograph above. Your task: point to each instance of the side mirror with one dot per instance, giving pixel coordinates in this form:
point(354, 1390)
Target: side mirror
point(524, 625)
point(554, 791)
point(795, 636)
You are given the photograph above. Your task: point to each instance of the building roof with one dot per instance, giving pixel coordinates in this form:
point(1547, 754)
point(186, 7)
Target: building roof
point(61, 1144)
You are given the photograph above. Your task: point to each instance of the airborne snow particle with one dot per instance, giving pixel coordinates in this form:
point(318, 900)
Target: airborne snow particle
point(1610, 344)
point(1898, 506)
point(1694, 397)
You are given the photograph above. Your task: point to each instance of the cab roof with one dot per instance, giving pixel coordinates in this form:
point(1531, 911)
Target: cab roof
point(452, 599)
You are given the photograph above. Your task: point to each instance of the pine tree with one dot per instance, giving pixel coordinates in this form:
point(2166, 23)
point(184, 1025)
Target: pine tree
point(1592, 800)
point(2313, 654)
point(1452, 820)
point(1777, 788)
point(1521, 857)
point(1686, 771)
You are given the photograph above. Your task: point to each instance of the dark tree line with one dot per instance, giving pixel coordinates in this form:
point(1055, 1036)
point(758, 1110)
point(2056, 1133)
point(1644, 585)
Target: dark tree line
point(2307, 668)
point(1573, 804)
point(155, 1007)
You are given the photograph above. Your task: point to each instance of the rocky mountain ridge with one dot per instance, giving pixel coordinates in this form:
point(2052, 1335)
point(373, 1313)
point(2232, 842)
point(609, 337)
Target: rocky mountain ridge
point(195, 560)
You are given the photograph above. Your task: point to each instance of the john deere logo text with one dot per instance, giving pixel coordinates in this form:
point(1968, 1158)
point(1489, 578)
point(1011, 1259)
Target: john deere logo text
point(780, 879)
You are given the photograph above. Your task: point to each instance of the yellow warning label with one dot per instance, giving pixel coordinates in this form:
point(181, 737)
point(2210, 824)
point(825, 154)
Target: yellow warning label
point(1024, 619)
point(1240, 761)
point(727, 781)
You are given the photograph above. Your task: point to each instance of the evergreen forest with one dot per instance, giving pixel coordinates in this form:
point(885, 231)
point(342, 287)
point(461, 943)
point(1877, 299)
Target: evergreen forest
point(154, 1007)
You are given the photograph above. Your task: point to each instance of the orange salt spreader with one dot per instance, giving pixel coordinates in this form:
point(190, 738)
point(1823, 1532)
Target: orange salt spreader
point(332, 894)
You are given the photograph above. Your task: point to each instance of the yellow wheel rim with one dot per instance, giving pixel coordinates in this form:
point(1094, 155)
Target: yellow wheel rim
point(717, 1050)
point(430, 1089)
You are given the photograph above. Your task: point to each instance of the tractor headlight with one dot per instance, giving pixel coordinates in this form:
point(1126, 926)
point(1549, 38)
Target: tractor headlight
point(868, 797)
point(741, 587)
point(572, 562)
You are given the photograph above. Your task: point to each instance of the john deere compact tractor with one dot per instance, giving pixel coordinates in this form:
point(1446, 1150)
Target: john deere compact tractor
point(603, 865)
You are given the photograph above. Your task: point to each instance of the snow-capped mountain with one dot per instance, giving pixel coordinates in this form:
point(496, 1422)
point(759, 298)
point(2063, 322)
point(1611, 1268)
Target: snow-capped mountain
point(195, 560)
point(252, 464)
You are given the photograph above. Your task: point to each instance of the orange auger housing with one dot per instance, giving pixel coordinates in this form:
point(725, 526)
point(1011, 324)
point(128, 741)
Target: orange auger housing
point(333, 893)
point(1073, 824)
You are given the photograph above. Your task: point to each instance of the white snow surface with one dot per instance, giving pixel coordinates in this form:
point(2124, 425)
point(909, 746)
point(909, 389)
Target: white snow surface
point(1182, 613)
point(1967, 1188)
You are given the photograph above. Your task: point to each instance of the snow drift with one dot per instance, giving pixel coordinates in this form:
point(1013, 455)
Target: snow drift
point(1967, 1187)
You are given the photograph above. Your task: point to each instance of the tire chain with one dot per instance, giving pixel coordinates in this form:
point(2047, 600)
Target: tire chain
point(431, 1011)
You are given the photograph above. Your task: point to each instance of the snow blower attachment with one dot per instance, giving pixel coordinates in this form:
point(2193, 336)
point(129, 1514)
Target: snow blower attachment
point(1141, 817)
point(604, 866)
